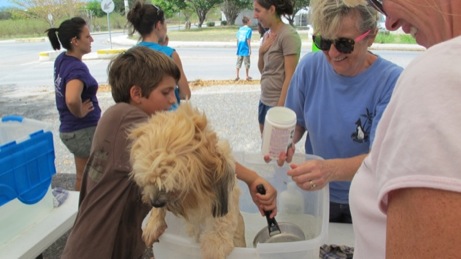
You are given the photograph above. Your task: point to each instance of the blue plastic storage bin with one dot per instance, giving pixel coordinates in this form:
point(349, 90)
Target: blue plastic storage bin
point(26, 159)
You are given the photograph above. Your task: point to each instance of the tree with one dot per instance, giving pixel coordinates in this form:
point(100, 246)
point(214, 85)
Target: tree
point(202, 7)
point(297, 5)
point(95, 7)
point(59, 9)
point(170, 7)
point(5, 14)
point(119, 5)
point(232, 8)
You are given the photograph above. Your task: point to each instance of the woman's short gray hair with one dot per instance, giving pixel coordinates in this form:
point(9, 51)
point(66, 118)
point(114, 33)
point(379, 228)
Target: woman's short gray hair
point(327, 16)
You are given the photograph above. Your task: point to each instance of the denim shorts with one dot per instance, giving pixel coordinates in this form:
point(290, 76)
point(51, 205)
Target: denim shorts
point(340, 213)
point(78, 142)
point(262, 111)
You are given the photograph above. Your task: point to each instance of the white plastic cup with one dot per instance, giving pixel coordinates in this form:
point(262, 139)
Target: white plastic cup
point(279, 128)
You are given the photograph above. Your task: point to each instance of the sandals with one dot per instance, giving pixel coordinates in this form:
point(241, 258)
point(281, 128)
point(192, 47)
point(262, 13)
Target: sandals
point(249, 78)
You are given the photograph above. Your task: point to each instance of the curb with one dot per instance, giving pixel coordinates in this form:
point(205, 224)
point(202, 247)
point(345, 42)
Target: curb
point(48, 55)
point(99, 54)
point(108, 53)
point(125, 41)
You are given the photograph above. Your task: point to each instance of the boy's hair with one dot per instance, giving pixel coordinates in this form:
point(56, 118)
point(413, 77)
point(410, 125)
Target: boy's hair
point(139, 66)
point(245, 19)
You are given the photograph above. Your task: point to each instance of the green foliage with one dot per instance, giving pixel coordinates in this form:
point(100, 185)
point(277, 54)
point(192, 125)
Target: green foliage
point(202, 7)
point(210, 24)
point(22, 28)
point(95, 7)
point(297, 5)
point(42, 8)
point(171, 7)
point(223, 23)
point(232, 8)
point(120, 5)
point(5, 15)
point(394, 38)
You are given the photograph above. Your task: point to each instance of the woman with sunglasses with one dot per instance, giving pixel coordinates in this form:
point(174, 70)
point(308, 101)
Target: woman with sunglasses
point(278, 54)
point(339, 95)
point(406, 196)
point(149, 21)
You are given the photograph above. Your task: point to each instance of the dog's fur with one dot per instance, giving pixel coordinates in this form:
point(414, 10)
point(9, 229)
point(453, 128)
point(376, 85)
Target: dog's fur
point(181, 166)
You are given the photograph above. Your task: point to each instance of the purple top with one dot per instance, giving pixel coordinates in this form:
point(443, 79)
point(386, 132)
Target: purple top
point(67, 68)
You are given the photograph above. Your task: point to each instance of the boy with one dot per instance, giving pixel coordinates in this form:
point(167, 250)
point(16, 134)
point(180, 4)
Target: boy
point(111, 211)
point(108, 223)
point(244, 47)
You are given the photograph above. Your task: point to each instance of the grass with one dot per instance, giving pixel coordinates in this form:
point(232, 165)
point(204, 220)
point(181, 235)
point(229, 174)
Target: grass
point(221, 33)
point(395, 38)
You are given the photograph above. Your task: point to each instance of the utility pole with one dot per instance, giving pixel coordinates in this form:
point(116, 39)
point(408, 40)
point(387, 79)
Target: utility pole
point(127, 8)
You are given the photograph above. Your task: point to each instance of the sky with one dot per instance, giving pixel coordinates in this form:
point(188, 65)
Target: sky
point(6, 3)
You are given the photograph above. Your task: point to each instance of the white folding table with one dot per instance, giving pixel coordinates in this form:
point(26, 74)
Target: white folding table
point(31, 242)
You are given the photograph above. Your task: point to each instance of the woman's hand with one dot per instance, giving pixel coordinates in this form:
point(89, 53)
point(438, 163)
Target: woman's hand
point(268, 39)
point(312, 175)
point(87, 107)
point(283, 157)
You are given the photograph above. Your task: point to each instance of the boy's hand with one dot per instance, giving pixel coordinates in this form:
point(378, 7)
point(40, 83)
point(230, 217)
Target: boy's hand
point(266, 202)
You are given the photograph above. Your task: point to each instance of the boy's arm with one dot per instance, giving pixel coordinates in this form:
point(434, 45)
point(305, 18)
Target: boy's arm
point(252, 179)
point(249, 45)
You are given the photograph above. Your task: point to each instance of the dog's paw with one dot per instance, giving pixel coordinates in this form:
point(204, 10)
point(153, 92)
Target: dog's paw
point(152, 232)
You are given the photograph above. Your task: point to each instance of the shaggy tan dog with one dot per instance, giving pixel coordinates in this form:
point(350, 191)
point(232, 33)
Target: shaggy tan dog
point(181, 166)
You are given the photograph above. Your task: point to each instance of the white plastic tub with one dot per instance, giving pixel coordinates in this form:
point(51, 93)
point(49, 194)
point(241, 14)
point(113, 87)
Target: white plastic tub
point(175, 243)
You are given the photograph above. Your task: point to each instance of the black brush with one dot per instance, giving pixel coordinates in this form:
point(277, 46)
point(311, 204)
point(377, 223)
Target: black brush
point(272, 224)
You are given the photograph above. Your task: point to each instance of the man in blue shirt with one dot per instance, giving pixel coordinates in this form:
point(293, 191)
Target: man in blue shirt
point(243, 47)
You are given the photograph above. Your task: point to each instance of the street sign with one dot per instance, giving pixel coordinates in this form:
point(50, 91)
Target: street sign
point(107, 6)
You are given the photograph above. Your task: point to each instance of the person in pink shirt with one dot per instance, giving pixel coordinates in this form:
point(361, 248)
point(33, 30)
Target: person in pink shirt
point(406, 196)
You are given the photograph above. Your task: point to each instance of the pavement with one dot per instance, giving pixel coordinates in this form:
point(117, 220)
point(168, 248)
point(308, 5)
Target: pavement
point(235, 123)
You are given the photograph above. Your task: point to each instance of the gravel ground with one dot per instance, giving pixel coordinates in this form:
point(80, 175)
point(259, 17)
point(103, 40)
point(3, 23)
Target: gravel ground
point(231, 110)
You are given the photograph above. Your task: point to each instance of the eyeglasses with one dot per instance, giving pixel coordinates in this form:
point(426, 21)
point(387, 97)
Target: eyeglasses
point(378, 5)
point(343, 45)
point(159, 11)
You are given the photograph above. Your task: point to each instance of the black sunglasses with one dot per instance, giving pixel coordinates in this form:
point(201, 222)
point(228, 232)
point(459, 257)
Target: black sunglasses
point(343, 45)
point(378, 5)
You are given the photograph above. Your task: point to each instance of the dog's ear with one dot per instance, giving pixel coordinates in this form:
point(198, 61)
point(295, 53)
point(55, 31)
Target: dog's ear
point(225, 183)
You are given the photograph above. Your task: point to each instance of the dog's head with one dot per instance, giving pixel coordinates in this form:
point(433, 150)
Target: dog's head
point(179, 163)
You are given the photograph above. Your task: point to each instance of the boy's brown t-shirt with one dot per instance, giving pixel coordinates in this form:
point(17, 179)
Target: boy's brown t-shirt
point(111, 212)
